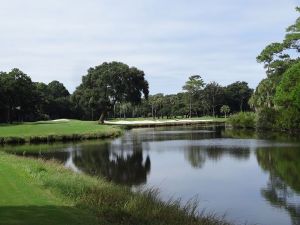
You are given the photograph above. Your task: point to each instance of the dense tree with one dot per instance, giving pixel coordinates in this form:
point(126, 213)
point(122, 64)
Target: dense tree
point(18, 94)
point(278, 94)
point(53, 100)
point(288, 91)
point(238, 94)
point(156, 102)
point(193, 87)
point(112, 88)
point(213, 93)
point(110, 83)
point(57, 90)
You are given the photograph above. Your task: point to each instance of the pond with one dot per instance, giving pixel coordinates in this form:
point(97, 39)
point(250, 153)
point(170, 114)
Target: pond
point(247, 176)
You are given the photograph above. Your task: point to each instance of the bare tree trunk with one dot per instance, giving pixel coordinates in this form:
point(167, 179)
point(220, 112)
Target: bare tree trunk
point(190, 106)
point(114, 110)
point(152, 111)
point(241, 106)
point(102, 117)
point(8, 116)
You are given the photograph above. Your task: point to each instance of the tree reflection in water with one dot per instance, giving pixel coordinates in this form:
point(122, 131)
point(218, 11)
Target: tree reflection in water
point(123, 166)
point(283, 187)
point(197, 155)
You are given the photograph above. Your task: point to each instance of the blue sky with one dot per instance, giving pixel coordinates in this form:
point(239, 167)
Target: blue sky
point(170, 40)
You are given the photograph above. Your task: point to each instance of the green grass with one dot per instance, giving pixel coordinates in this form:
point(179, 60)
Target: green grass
point(48, 131)
point(34, 192)
point(23, 201)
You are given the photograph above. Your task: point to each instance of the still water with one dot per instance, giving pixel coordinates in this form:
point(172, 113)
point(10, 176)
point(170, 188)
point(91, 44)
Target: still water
point(249, 177)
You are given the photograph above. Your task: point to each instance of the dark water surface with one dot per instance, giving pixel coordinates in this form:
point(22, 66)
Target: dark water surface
point(251, 177)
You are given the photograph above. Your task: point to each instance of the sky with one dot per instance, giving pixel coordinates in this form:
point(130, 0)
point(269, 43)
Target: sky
point(168, 39)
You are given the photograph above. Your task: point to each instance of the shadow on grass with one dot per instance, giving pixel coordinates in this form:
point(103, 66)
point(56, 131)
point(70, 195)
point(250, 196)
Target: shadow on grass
point(44, 215)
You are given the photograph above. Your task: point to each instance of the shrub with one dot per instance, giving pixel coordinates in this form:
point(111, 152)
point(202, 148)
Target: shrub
point(288, 90)
point(266, 118)
point(288, 119)
point(243, 120)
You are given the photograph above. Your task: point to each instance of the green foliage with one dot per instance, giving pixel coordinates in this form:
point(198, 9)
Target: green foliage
point(193, 86)
point(263, 96)
point(108, 84)
point(277, 97)
point(288, 119)
point(243, 120)
point(288, 91)
point(213, 94)
point(116, 90)
point(57, 89)
point(237, 96)
point(266, 118)
point(18, 94)
point(225, 109)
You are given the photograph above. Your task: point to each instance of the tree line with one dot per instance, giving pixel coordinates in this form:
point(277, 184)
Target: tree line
point(197, 99)
point(276, 99)
point(114, 90)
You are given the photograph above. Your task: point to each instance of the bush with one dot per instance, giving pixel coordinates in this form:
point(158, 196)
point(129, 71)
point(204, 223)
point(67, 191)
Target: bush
point(288, 119)
point(288, 90)
point(243, 120)
point(266, 118)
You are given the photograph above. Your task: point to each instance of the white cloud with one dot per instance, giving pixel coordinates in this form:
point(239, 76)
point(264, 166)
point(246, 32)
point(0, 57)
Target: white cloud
point(169, 40)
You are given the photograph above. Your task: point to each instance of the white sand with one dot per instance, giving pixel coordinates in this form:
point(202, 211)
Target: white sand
point(124, 122)
point(61, 120)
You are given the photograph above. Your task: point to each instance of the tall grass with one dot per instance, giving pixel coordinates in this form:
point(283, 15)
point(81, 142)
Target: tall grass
point(111, 203)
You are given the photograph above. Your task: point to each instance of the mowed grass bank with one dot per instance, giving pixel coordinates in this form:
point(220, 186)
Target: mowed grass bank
point(50, 131)
point(34, 192)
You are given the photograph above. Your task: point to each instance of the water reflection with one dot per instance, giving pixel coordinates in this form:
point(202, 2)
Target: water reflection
point(128, 168)
point(255, 177)
point(197, 155)
point(283, 188)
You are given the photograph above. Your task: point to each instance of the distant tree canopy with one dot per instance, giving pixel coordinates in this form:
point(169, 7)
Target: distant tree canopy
point(114, 90)
point(278, 93)
point(17, 95)
point(23, 100)
point(111, 83)
point(204, 101)
point(238, 94)
point(193, 86)
point(54, 100)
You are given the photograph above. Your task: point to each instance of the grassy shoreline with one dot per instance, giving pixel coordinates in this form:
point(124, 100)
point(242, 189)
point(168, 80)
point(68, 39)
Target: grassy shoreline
point(52, 131)
point(44, 192)
point(76, 130)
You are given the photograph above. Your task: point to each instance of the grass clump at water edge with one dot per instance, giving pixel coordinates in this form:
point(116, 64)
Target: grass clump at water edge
point(95, 199)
